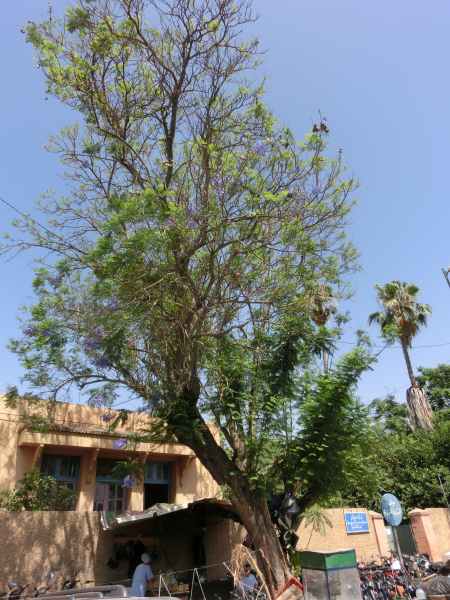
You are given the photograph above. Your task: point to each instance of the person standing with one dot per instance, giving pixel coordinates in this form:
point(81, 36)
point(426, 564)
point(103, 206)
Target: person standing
point(248, 581)
point(136, 550)
point(142, 576)
point(396, 566)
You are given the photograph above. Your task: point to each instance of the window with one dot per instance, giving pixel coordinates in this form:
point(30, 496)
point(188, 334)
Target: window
point(62, 468)
point(157, 473)
point(156, 483)
point(110, 495)
point(65, 469)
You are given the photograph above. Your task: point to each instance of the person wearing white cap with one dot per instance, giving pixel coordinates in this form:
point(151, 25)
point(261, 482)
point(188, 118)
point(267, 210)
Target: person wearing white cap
point(142, 576)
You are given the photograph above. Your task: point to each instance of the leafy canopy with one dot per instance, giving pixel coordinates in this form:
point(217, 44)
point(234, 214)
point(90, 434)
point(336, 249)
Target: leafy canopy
point(436, 384)
point(414, 465)
point(402, 316)
point(200, 249)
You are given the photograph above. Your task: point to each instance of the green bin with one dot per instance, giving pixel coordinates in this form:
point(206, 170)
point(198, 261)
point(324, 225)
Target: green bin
point(330, 575)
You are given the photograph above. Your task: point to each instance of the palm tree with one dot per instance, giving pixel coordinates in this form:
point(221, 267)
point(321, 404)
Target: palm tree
point(322, 305)
point(401, 319)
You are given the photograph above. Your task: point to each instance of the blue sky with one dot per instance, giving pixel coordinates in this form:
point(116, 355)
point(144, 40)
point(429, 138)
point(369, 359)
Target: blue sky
point(378, 71)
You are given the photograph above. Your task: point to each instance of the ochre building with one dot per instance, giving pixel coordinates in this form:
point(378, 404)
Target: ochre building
point(80, 450)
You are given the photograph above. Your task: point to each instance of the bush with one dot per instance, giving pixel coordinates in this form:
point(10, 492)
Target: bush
point(38, 492)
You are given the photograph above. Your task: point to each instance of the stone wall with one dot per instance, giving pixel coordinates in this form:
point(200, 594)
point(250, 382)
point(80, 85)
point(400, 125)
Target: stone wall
point(69, 543)
point(368, 546)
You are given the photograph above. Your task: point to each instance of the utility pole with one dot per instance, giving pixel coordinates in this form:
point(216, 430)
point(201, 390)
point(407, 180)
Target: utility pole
point(446, 274)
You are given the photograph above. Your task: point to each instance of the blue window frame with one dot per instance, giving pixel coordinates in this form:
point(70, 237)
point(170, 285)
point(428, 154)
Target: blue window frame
point(65, 469)
point(62, 468)
point(110, 494)
point(157, 472)
point(105, 470)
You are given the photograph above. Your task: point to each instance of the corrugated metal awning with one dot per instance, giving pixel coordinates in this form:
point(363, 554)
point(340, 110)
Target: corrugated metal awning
point(207, 506)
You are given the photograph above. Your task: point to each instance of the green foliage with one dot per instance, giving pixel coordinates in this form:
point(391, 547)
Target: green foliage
point(332, 427)
point(204, 227)
point(316, 518)
point(400, 461)
point(131, 467)
point(401, 320)
point(403, 316)
point(38, 492)
point(436, 384)
point(201, 250)
point(412, 464)
point(390, 416)
point(282, 421)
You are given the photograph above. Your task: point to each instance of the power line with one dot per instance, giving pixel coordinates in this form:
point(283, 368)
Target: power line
point(446, 275)
point(38, 224)
point(392, 346)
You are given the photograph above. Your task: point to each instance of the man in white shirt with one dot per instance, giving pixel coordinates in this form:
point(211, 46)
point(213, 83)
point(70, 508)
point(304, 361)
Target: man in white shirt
point(395, 564)
point(248, 581)
point(142, 576)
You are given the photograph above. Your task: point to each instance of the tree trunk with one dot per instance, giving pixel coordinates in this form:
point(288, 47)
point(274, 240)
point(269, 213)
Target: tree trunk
point(420, 411)
point(412, 377)
point(255, 517)
point(251, 508)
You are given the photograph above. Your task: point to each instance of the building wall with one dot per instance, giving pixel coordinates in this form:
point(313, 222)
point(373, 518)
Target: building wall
point(87, 436)
point(9, 431)
point(440, 519)
point(73, 544)
point(70, 543)
point(431, 528)
point(368, 546)
point(220, 539)
point(67, 543)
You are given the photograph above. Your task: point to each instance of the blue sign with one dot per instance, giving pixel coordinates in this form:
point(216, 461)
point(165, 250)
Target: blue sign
point(391, 509)
point(356, 522)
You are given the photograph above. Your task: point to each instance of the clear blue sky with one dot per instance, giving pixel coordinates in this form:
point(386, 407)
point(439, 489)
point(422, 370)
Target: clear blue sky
point(377, 70)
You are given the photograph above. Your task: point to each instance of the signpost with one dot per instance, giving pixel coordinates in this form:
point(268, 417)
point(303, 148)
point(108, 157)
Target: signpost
point(393, 515)
point(356, 522)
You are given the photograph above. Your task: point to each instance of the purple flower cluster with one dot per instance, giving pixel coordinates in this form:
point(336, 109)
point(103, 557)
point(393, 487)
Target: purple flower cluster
point(107, 418)
point(91, 344)
point(102, 362)
point(31, 331)
point(169, 222)
point(128, 482)
point(112, 304)
point(120, 444)
point(95, 341)
point(55, 281)
point(260, 148)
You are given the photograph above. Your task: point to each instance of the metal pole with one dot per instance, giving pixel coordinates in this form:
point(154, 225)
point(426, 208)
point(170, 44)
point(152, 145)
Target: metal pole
point(398, 549)
point(444, 492)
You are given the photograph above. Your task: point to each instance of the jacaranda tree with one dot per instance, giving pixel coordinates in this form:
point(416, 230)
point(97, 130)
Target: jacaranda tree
point(180, 263)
